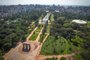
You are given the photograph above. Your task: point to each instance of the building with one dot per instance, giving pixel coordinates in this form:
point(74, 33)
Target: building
point(79, 21)
point(45, 19)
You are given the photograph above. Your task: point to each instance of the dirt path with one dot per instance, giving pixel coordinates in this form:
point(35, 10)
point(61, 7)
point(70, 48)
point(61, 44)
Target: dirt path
point(45, 39)
point(67, 56)
point(30, 34)
point(58, 56)
point(42, 44)
point(11, 52)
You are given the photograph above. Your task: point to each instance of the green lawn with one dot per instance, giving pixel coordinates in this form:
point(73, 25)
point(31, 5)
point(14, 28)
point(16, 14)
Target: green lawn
point(78, 57)
point(40, 18)
point(48, 29)
point(34, 36)
point(39, 28)
point(53, 46)
point(88, 23)
point(32, 26)
point(67, 47)
point(52, 17)
point(51, 59)
point(42, 37)
point(62, 58)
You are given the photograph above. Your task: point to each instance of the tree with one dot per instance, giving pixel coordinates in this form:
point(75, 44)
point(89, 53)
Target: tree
point(1, 57)
point(77, 41)
point(62, 58)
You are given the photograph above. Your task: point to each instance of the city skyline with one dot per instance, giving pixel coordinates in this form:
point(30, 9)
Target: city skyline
point(46, 2)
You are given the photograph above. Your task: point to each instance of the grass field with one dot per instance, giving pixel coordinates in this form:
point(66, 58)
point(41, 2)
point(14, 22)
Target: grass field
point(52, 17)
point(48, 29)
point(34, 36)
point(51, 59)
point(42, 37)
point(53, 46)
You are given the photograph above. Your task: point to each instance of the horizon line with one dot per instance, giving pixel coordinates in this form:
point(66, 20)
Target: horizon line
point(43, 4)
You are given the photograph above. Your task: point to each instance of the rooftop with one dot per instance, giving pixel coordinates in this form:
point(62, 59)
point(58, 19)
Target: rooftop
point(79, 21)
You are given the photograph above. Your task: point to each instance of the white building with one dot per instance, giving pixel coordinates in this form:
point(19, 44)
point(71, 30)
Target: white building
point(79, 21)
point(45, 19)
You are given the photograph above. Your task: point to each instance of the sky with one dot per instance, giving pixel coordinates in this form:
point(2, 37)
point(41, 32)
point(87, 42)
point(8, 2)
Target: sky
point(46, 2)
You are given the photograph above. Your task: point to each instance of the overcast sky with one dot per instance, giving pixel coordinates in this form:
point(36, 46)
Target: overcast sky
point(46, 2)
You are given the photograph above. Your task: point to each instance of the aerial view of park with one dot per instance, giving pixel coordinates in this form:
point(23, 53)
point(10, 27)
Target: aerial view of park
point(44, 30)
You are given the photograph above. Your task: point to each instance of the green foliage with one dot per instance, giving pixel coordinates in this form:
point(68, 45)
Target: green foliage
point(76, 35)
point(51, 59)
point(85, 54)
point(11, 33)
point(52, 17)
point(67, 37)
point(77, 41)
point(32, 15)
point(35, 34)
point(78, 57)
point(1, 56)
point(55, 46)
point(67, 25)
point(16, 28)
point(62, 58)
point(88, 23)
point(48, 28)
point(42, 37)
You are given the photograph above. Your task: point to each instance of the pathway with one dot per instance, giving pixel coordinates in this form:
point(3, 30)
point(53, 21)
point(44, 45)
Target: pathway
point(38, 37)
point(67, 56)
point(31, 34)
point(42, 43)
point(11, 52)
